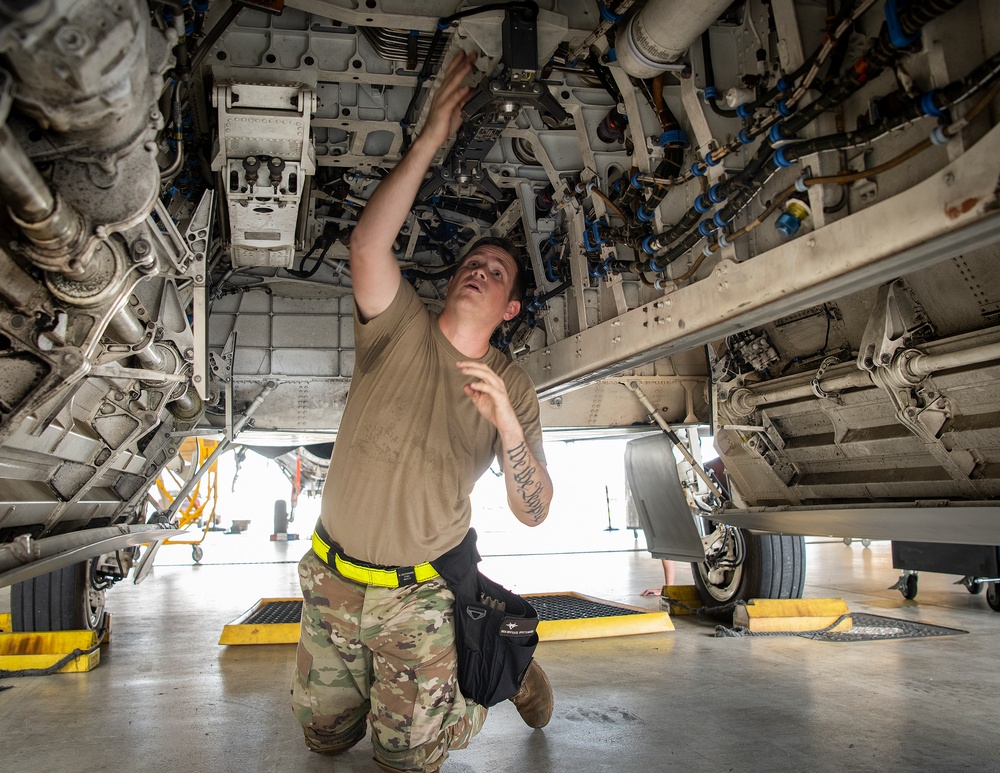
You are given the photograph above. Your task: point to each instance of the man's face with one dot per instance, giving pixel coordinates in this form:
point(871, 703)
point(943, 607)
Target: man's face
point(484, 280)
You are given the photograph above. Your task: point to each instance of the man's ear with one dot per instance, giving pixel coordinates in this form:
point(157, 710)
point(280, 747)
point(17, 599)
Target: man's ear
point(513, 309)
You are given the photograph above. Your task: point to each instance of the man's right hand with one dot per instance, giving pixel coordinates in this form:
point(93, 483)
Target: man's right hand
point(445, 113)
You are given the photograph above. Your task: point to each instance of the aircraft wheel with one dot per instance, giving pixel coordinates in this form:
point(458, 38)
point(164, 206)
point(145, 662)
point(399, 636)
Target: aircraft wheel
point(774, 567)
point(993, 596)
point(909, 589)
point(63, 600)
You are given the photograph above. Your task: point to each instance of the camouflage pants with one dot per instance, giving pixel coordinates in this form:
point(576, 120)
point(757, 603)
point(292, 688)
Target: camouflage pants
point(385, 653)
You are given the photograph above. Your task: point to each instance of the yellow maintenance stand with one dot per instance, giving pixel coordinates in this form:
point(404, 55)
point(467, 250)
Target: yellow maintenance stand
point(193, 452)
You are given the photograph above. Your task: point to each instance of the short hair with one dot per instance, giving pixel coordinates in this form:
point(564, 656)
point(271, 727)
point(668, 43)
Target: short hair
point(520, 286)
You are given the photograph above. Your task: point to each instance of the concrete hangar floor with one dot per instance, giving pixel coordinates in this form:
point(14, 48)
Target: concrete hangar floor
point(166, 697)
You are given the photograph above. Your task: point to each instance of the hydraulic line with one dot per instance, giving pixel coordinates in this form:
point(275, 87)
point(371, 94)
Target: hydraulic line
point(882, 53)
point(711, 93)
point(739, 190)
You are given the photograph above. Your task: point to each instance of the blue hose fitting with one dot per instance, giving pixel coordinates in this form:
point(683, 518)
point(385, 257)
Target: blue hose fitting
point(673, 137)
point(608, 16)
point(745, 110)
point(784, 109)
point(789, 221)
point(706, 228)
point(938, 137)
point(781, 159)
point(894, 25)
point(645, 215)
point(775, 135)
point(720, 221)
point(711, 160)
point(634, 181)
point(702, 204)
point(787, 225)
point(710, 94)
point(697, 169)
point(647, 245)
point(715, 194)
point(927, 104)
point(744, 137)
point(784, 84)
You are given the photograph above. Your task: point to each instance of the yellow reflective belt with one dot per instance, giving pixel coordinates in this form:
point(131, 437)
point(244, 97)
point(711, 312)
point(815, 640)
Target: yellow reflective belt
point(383, 578)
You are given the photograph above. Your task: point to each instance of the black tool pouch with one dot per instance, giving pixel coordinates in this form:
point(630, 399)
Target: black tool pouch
point(495, 645)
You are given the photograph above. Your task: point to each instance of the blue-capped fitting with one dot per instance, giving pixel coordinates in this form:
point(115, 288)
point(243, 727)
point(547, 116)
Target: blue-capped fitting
point(715, 194)
point(706, 228)
point(610, 56)
point(724, 240)
point(673, 137)
point(634, 181)
point(697, 169)
point(781, 159)
point(702, 204)
point(745, 110)
point(744, 137)
point(710, 93)
point(800, 184)
point(894, 25)
point(442, 25)
point(707, 249)
point(648, 245)
point(787, 225)
point(938, 137)
point(599, 271)
point(654, 266)
point(645, 215)
point(784, 109)
point(784, 84)
point(927, 104)
point(775, 135)
point(200, 6)
point(552, 240)
point(719, 220)
point(608, 16)
point(404, 123)
point(711, 160)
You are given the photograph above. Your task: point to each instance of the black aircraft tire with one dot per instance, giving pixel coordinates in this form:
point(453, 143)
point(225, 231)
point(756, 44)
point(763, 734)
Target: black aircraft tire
point(774, 568)
point(57, 601)
point(280, 516)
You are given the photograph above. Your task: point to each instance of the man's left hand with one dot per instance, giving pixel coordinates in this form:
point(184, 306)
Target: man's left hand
point(488, 393)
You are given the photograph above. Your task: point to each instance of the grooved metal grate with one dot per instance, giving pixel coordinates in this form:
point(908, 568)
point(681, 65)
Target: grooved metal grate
point(276, 612)
point(574, 608)
point(877, 627)
point(555, 607)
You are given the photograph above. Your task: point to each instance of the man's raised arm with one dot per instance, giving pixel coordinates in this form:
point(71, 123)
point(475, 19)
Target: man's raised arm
point(374, 270)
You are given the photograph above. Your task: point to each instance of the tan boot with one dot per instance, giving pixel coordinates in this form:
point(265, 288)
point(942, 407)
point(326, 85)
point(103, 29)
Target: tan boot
point(534, 700)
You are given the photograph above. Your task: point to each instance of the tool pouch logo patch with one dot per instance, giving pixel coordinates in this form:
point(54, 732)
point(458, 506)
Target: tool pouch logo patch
point(513, 626)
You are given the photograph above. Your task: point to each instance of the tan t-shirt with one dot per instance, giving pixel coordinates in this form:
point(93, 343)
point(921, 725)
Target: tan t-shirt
point(411, 445)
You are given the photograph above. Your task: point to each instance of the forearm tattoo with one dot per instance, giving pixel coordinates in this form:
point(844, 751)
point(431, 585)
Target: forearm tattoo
point(529, 488)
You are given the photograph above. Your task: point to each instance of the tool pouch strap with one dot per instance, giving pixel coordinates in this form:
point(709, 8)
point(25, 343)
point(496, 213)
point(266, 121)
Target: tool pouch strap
point(495, 646)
